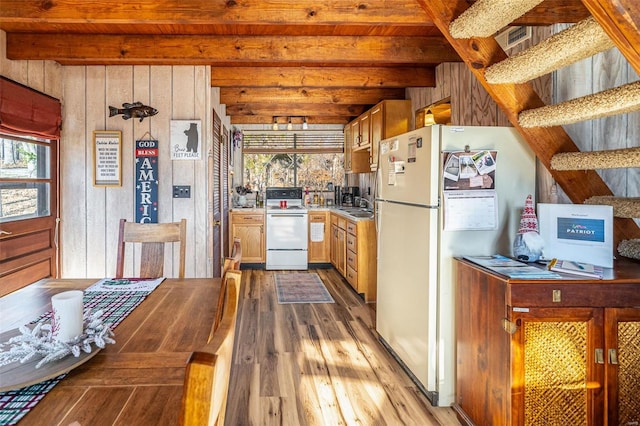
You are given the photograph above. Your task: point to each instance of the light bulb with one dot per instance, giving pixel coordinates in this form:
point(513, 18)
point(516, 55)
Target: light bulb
point(305, 126)
point(275, 123)
point(289, 125)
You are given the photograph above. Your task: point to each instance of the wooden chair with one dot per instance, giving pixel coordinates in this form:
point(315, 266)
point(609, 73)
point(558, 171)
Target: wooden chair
point(206, 382)
point(230, 263)
point(152, 237)
point(234, 261)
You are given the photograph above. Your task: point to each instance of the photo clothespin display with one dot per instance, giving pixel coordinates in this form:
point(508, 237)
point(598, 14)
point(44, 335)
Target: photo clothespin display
point(146, 180)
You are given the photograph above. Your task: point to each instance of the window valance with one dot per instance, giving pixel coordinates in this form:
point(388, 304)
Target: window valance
point(26, 112)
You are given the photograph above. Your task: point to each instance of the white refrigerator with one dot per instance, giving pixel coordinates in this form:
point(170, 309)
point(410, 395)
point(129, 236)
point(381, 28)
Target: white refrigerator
point(416, 293)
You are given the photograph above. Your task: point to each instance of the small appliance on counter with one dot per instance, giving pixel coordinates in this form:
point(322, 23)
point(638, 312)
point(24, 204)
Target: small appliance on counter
point(349, 194)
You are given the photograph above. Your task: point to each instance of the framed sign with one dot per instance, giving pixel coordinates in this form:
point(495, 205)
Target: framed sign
point(185, 140)
point(107, 158)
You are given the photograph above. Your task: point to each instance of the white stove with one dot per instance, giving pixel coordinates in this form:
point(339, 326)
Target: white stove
point(287, 229)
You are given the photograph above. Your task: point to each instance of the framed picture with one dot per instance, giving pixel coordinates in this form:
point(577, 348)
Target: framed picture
point(185, 140)
point(107, 158)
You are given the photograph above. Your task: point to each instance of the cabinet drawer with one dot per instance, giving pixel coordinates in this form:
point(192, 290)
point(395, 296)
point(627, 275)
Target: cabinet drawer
point(352, 260)
point(342, 223)
point(334, 219)
point(316, 217)
point(351, 228)
point(352, 243)
point(352, 278)
point(248, 218)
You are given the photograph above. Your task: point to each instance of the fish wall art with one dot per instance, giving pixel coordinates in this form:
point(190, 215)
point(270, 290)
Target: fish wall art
point(135, 110)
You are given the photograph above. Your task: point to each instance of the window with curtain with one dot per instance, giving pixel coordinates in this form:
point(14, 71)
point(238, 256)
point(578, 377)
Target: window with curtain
point(29, 132)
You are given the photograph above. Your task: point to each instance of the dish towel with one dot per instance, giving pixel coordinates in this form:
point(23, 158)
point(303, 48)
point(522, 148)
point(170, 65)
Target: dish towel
point(317, 232)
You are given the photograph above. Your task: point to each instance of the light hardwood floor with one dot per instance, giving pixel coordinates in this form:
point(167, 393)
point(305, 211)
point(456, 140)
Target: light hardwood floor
point(317, 364)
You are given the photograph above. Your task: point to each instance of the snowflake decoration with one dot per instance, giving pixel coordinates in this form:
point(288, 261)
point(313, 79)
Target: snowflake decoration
point(39, 341)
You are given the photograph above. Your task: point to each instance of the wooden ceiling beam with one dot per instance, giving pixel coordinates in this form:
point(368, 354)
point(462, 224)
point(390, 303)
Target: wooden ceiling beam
point(326, 77)
point(313, 95)
point(268, 119)
point(207, 50)
point(479, 54)
point(293, 109)
point(203, 16)
point(205, 12)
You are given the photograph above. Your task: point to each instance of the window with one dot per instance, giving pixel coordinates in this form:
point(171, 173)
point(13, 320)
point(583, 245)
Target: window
point(307, 159)
point(25, 178)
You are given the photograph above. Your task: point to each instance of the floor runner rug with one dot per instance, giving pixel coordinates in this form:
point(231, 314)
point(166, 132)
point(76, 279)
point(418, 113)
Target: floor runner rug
point(301, 288)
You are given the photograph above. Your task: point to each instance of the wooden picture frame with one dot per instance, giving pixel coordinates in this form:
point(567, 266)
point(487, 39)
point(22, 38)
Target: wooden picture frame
point(107, 158)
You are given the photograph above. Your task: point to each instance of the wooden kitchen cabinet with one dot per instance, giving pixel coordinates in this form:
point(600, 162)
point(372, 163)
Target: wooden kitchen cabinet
point(547, 351)
point(249, 227)
point(338, 243)
point(388, 118)
point(356, 160)
point(319, 250)
point(363, 135)
point(353, 253)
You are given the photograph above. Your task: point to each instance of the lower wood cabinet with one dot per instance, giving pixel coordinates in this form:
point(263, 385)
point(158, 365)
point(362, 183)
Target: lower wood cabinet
point(338, 243)
point(353, 253)
point(564, 352)
point(249, 227)
point(319, 242)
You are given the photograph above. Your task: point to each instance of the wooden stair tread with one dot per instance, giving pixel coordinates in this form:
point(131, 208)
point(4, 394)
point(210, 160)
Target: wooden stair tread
point(578, 42)
point(486, 17)
point(592, 160)
point(628, 207)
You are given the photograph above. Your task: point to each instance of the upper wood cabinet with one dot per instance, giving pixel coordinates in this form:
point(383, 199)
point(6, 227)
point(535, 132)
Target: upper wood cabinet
point(363, 135)
point(388, 118)
point(356, 160)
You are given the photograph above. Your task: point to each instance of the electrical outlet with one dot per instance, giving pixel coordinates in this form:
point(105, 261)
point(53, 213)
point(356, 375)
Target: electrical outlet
point(181, 191)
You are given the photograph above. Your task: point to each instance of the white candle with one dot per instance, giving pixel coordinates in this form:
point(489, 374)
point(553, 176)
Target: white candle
point(67, 315)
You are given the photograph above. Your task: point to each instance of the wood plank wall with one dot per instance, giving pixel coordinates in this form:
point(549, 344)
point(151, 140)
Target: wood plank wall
point(91, 214)
point(592, 75)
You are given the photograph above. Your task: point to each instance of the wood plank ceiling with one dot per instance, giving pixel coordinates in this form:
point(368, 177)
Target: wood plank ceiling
point(327, 60)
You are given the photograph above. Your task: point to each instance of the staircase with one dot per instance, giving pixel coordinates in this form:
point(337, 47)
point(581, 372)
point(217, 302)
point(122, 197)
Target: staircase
point(471, 29)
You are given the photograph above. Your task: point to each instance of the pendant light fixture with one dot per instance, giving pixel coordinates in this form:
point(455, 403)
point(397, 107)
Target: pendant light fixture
point(305, 126)
point(289, 125)
point(275, 123)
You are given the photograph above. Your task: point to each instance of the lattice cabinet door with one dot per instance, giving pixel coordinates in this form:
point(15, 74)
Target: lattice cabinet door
point(557, 369)
point(622, 379)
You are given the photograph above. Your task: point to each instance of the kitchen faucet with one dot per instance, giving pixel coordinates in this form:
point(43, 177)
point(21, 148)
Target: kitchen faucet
point(367, 204)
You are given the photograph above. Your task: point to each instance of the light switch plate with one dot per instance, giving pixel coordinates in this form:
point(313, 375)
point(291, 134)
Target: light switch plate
point(181, 191)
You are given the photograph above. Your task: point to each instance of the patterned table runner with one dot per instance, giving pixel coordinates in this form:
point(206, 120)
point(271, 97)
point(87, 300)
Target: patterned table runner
point(115, 304)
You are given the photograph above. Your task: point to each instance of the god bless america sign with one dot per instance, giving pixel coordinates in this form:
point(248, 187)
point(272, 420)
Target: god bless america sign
point(147, 181)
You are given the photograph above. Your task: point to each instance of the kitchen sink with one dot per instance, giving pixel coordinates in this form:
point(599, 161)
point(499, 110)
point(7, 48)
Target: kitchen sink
point(361, 214)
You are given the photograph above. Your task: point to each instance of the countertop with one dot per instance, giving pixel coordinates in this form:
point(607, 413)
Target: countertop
point(332, 209)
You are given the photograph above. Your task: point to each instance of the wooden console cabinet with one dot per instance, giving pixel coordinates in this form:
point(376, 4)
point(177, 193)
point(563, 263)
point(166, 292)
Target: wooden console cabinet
point(543, 352)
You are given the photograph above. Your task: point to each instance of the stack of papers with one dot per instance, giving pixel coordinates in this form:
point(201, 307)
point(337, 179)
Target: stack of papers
point(512, 268)
point(576, 268)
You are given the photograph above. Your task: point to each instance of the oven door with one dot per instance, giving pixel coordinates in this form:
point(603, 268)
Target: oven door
point(286, 231)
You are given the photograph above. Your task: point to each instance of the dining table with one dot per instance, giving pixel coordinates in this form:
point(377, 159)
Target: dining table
point(138, 380)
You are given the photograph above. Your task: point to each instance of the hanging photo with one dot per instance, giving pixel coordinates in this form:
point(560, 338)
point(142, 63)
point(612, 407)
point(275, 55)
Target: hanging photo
point(186, 140)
